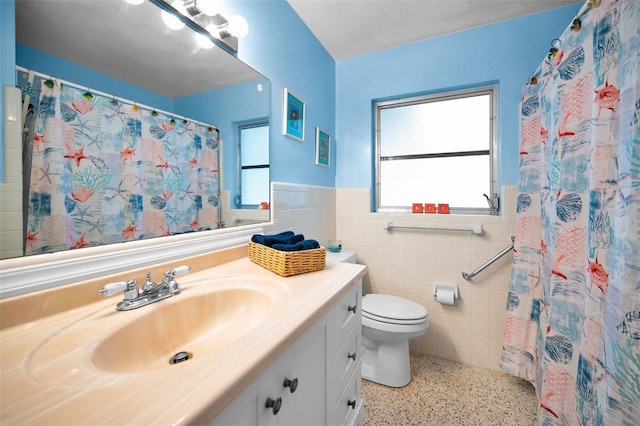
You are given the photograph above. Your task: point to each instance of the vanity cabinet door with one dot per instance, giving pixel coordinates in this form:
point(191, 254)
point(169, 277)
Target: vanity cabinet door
point(302, 368)
point(307, 404)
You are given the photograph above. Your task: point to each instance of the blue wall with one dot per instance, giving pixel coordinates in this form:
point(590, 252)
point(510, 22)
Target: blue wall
point(507, 53)
point(281, 47)
point(339, 95)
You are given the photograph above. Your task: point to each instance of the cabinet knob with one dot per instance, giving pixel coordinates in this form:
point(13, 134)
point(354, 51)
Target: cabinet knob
point(353, 308)
point(273, 404)
point(352, 403)
point(352, 356)
point(291, 384)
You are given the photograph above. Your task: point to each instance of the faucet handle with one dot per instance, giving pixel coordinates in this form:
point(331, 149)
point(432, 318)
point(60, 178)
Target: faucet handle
point(113, 288)
point(169, 280)
point(180, 270)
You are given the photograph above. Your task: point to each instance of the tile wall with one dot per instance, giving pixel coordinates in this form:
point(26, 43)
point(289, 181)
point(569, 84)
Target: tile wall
point(304, 209)
point(11, 193)
point(407, 262)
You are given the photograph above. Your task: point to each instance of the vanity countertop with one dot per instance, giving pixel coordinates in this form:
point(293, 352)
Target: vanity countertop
point(48, 376)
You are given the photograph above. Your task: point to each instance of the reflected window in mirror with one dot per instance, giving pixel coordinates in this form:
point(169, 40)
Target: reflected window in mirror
point(253, 146)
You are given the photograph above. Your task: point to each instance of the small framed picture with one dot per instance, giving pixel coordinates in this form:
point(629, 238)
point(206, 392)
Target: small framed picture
point(323, 147)
point(293, 114)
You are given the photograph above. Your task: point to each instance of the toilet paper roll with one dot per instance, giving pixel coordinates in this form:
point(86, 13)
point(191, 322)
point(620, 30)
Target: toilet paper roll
point(446, 296)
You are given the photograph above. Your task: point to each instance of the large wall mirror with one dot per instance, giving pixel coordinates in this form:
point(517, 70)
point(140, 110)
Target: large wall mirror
point(126, 51)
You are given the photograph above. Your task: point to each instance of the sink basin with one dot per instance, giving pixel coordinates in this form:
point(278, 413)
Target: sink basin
point(195, 322)
point(206, 318)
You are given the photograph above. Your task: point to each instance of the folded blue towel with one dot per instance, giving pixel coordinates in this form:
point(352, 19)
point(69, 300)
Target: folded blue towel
point(287, 237)
point(302, 245)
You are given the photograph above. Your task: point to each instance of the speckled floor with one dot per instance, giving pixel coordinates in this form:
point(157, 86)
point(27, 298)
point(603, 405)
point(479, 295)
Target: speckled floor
point(444, 392)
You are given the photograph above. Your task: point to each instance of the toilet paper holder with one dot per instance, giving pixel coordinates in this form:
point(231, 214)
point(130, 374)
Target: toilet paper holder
point(445, 288)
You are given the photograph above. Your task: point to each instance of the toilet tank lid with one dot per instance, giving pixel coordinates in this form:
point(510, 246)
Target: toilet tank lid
point(392, 307)
point(346, 256)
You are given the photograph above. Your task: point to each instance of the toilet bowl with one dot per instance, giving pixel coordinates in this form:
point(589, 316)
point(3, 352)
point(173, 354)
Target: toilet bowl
point(388, 323)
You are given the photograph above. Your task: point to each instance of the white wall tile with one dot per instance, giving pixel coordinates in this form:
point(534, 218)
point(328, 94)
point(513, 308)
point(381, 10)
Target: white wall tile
point(408, 262)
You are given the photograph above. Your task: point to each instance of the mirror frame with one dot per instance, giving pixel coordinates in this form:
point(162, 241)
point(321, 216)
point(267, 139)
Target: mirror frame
point(27, 274)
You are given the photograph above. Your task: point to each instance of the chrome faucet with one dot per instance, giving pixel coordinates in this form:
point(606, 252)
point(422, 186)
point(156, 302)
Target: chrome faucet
point(150, 292)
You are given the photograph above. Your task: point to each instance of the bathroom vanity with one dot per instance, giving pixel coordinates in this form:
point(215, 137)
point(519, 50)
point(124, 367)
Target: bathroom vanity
point(263, 349)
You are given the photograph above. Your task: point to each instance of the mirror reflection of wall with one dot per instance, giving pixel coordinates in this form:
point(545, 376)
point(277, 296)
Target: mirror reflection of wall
point(129, 54)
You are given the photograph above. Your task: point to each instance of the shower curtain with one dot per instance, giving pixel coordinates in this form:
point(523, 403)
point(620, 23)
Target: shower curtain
point(573, 310)
point(103, 171)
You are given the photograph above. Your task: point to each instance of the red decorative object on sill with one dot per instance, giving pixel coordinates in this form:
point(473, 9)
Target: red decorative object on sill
point(443, 208)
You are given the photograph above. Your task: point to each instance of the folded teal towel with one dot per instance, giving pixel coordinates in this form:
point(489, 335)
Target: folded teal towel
point(287, 237)
point(302, 245)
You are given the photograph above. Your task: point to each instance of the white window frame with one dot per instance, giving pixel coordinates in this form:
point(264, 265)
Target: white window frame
point(248, 125)
point(493, 205)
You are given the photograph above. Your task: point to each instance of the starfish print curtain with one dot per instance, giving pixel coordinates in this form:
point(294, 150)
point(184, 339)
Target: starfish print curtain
point(103, 172)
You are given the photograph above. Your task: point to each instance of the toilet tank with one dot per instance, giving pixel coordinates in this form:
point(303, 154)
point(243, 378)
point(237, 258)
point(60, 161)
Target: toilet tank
point(345, 256)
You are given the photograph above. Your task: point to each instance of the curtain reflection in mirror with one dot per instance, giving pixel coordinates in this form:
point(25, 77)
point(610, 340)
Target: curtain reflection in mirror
point(104, 171)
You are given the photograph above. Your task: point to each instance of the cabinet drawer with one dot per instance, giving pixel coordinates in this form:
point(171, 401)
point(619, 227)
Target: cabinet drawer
point(349, 404)
point(346, 315)
point(342, 363)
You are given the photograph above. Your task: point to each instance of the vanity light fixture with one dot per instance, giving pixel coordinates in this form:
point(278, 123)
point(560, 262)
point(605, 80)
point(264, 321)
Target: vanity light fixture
point(203, 17)
point(203, 41)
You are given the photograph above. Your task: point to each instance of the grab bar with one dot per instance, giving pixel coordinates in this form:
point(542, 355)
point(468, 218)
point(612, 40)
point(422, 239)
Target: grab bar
point(489, 262)
point(475, 229)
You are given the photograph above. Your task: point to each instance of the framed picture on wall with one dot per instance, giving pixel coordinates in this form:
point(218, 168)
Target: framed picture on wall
point(293, 114)
point(323, 146)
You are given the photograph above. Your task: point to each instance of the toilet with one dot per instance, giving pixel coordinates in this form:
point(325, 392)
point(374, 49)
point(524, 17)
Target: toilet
point(388, 323)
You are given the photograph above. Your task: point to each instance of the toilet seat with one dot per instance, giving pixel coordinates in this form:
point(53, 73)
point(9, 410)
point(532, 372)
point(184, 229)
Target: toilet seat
point(392, 309)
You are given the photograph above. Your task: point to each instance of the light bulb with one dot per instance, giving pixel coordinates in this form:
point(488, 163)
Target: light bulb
point(208, 7)
point(171, 20)
point(135, 2)
point(213, 30)
point(203, 41)
point(238, 26)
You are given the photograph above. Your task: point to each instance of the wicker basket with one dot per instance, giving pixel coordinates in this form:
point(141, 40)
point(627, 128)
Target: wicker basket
point(286, 263)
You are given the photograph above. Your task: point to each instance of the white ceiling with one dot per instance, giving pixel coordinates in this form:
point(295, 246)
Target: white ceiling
point(348, 28)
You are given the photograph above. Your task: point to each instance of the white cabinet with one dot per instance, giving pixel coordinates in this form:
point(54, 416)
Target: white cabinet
point(295, 384)
point(322, 368)
point(345, 406)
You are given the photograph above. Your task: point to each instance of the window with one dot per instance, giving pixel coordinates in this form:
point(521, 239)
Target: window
point(254, 165)
point(438, 148)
